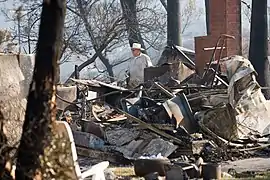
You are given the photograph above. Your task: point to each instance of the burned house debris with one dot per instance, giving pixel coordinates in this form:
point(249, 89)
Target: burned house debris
point(194, 112)
point(190, 124)
point(220, 117)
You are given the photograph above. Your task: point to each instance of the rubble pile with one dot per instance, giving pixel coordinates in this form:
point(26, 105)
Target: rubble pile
point(192, 125)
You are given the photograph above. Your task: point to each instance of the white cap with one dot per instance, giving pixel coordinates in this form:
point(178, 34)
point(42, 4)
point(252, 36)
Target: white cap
point(137, 46)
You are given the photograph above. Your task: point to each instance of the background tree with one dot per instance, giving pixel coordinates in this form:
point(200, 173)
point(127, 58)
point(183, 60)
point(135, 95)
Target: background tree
point(129, 9)
point(96, 31)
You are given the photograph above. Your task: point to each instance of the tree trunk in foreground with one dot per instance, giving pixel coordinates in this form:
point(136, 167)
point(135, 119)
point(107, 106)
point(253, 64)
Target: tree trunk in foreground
point(41, 110)
point(173, 23)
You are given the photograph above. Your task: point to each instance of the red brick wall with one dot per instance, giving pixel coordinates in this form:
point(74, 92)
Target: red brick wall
point(217, 17)
point(224, 18)
point(233, 27)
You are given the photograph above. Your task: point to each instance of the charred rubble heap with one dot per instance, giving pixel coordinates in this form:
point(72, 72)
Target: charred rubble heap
point(221, 115)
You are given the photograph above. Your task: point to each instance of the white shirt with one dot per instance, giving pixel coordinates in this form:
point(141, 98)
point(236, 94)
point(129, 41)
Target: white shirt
point(136, 69)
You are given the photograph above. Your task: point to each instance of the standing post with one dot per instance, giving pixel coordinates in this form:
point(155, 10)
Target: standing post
point(77, 72)
point(77, 76)
point(19, 15)
point(174, 22)
point(207, 8)
point(258, 51)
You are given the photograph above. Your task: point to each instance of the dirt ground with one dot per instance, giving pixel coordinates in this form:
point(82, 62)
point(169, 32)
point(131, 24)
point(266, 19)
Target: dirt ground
point(254, 168)
point(253, 164)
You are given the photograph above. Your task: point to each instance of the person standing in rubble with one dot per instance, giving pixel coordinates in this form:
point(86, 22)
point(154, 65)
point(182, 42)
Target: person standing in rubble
point(136, 66)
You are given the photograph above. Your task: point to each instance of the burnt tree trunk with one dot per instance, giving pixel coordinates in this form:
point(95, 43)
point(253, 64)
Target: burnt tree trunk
point(258, 41)
point(132, 25)
point(41, 111)
point(174, 23)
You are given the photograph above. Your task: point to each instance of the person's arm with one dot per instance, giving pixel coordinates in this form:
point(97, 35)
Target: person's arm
point(148, 61)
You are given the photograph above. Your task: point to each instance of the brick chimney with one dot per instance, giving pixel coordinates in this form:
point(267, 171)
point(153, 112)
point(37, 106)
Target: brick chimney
point(224, 18)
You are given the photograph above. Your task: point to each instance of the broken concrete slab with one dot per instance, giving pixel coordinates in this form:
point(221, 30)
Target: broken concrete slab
point(130, 149)
point(12, 105)
point(147, 148)
point(98, 155)
point(87, 140)
point(156, 146)
point(10, 77)
point(121, 136)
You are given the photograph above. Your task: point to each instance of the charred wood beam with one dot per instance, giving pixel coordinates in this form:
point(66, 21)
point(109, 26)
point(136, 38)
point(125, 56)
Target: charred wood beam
point(41, 110)
point(168, 93)
point(188, 62)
